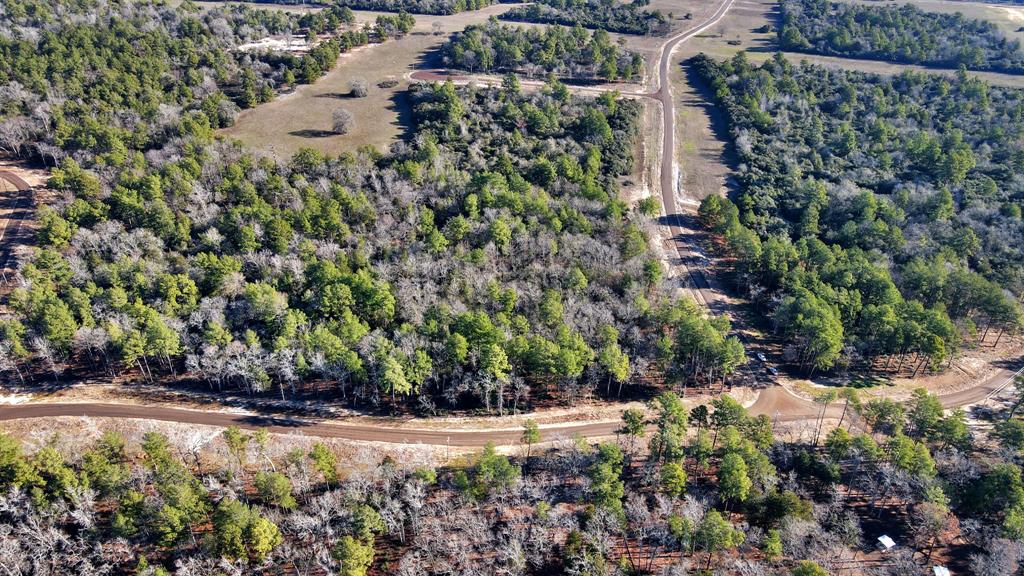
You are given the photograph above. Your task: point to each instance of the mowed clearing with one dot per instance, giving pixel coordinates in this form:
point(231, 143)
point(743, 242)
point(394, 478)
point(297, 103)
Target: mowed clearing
point(702, 153)
point(302, 118)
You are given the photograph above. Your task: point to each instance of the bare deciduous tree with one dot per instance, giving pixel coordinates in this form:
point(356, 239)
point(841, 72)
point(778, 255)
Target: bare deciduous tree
point(342, 121)
point(358, 87)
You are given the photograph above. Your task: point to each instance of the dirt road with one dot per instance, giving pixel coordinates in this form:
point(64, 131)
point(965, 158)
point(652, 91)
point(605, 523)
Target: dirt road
point(777, 403)
point(308, 427)
point(680, 231)
point(13, 211)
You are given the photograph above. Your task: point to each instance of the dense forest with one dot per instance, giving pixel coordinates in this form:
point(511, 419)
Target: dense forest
point(878, 217)
point(487, 257)
point(120, 80)
point(678, 491)
point(610, 15)
point(904, 34)
point(566, 52)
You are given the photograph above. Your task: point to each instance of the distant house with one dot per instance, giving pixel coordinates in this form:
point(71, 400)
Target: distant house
point(885, 543)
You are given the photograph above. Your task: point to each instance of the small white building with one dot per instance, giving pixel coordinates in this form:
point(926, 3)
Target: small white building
point(885, 543)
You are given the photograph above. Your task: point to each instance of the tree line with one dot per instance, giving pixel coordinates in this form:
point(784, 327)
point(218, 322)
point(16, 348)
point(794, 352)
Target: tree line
point(877, 217)
point(566, 52)
point(905, 34)
point(433, 7)
point(610, 15)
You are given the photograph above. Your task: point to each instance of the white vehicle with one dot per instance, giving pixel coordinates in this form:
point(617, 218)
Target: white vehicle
point(761, 357)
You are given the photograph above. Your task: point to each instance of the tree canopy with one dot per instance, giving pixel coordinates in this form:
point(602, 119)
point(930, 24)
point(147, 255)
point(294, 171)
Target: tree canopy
point(870, 212)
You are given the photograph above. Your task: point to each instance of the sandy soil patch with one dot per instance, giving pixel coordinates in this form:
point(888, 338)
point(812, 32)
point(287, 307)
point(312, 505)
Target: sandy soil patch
point(1013, 14)
point(972, 367)
point(293, 43)
point(73, 435)
point(12, 399)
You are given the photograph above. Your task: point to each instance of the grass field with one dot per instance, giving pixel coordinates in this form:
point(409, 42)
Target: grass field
point(303, 118)
point(702, 152)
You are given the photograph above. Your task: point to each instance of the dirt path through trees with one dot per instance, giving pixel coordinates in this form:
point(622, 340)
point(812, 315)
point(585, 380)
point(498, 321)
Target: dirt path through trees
point(777, 403)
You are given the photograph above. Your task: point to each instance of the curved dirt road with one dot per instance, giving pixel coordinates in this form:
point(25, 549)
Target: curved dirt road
point(777, 403)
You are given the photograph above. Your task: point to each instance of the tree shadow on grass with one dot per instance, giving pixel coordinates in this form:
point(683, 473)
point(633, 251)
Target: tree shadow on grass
point(719, 123)
point(308, 133)
point(335, 95)
point(429, 59)
point(401, 103)
point(771, 42)
point(861, 381)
